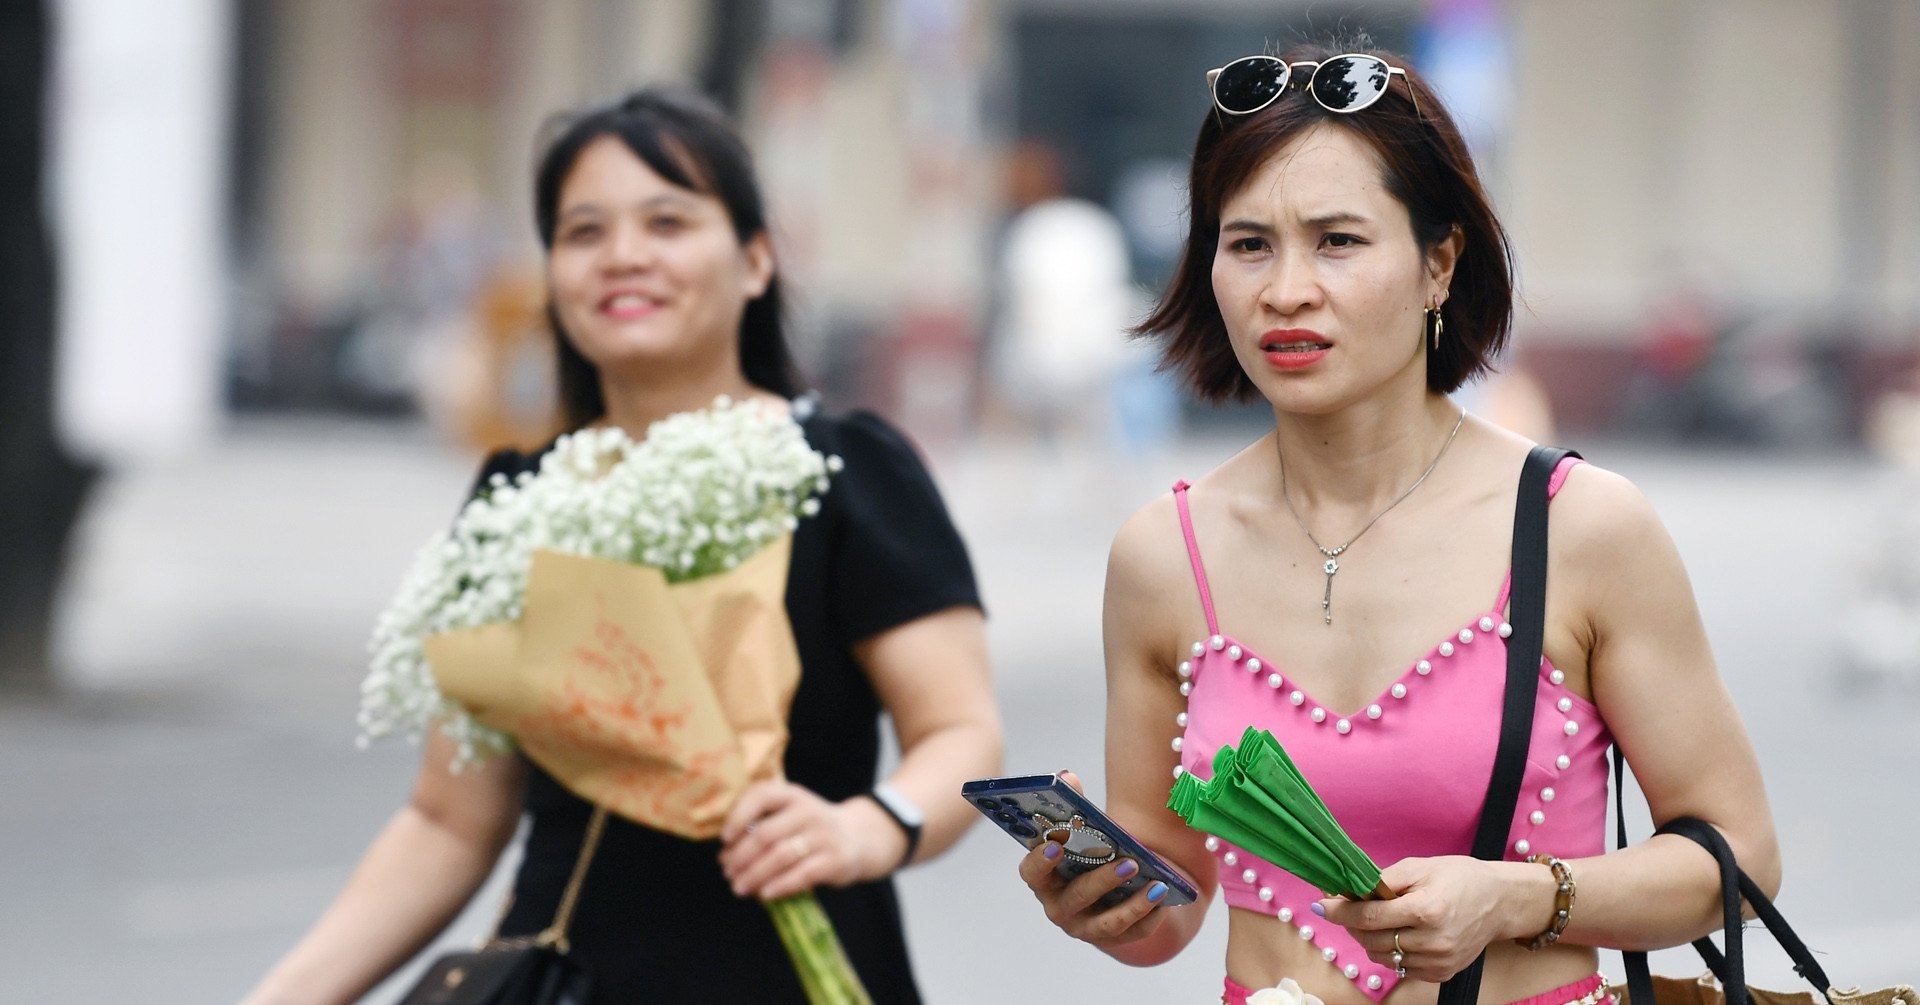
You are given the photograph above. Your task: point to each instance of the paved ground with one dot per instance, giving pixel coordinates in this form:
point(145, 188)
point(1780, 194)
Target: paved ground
point(182, 808)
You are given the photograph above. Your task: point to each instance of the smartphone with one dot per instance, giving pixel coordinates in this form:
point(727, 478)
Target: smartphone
point(1031, 807)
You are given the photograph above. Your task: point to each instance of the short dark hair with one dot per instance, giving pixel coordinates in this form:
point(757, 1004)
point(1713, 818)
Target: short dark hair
point(1424, 164)
point(689, 141)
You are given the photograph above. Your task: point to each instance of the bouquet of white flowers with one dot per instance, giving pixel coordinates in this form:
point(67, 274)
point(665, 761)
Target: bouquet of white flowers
point(619, 615)
point(704, 492)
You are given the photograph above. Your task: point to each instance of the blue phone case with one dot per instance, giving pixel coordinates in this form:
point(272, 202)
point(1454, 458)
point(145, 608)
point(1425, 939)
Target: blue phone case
point(1014, 803)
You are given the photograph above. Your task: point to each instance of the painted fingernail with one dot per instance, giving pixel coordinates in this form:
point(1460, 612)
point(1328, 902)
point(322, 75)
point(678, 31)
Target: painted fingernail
point(1051, 851)
point(1126, 869)
point(1317, 909)
point(1156, 891)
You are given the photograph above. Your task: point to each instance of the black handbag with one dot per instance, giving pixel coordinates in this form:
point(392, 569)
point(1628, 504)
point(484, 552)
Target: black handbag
point(525, 970)
point(1728, 983)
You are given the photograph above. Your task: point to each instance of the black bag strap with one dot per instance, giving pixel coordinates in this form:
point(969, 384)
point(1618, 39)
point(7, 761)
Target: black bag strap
point(1528, 599)
point(1729, 967)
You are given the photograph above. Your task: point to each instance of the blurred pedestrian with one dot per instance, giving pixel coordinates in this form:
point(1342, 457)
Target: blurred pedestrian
point(665, 294)
point(1344, 266)
point(1065, 301)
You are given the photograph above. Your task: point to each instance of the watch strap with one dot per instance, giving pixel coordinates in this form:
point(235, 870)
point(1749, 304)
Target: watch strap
point(883, 798)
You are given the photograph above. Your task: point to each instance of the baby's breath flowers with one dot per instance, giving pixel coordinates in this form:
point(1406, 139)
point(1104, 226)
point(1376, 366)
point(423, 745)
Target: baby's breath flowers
point(703, 492)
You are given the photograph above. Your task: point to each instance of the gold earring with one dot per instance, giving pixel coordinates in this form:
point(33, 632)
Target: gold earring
point(1436, 325)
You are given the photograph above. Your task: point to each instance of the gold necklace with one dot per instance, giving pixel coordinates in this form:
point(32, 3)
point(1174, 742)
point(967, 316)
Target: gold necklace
point(1332, 565)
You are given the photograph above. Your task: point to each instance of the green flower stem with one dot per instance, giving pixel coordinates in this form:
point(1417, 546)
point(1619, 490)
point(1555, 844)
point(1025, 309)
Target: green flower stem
point(818, 958)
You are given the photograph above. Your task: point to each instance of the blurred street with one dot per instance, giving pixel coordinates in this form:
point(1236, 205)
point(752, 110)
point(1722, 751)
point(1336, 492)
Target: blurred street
point(184, 807)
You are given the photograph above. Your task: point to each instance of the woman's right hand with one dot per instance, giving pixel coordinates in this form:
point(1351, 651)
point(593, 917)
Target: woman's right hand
point(1074, 904)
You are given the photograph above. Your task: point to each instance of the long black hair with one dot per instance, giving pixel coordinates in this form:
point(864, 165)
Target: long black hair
point(689, 141)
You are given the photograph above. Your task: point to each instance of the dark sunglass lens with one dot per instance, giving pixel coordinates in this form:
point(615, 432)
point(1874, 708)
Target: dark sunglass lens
point(1350, 83)
point(1249, 84)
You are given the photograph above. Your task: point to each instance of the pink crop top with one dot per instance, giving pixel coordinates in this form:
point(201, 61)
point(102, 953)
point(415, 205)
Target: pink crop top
point(1406, 774)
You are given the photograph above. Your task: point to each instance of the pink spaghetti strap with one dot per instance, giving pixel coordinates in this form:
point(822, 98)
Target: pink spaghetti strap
point(1553, 489)
point(1193, 555)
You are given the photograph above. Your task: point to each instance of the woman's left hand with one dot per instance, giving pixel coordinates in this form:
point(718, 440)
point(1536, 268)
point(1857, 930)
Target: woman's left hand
point(782, 839)
point(1446, 911)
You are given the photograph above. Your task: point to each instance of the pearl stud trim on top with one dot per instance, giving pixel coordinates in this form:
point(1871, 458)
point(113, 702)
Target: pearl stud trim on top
point(1192, 670)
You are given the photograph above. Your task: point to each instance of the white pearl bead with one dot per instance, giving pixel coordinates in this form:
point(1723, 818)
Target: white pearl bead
point(1446, 649)
point(1537, 818)
point(1186, 688)
point(1373, 711)
point(1563, 762)
point(1547, 794)
point(1565, 705)
point(1486, 624)
point(1373, 983)
point(1199, 649)
point(1399, 691)
point(1306, 933)
point(1213, 843)
point(1319, 715)
point(1329, 954)
point(1231, 859)
point(1179, 769)
point(1185, 669)
point(1180, 720)
point(1352, 971)
point(1297, 698)
point(1266, 895)
point(1466, 635)
point(1506, 630)
point(1233, 653)
point(1522, 846)
point(1423, 668)
point(1253, 666)
point(1248, 876)
point(1573, 728)
point(1557, 677)
point(1217, 643)
point(1274, 681)
point(1178, 742)
point(1286, 914)
point(1343, 726)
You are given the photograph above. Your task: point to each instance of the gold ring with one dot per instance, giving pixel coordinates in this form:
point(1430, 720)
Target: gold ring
point(1397, 951)
point(799, 846)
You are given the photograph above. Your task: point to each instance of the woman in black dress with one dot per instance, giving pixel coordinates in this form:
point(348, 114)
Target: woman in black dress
point(664, 296)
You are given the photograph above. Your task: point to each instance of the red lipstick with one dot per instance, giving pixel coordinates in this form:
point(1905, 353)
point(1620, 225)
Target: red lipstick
point(1294, 348)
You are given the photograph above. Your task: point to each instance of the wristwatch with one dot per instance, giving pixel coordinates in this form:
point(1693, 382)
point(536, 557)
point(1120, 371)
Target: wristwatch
point(903, 812)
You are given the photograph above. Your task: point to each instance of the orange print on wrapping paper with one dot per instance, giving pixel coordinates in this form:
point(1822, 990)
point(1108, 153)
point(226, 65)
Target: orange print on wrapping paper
point(661, 701)
point(618, 709)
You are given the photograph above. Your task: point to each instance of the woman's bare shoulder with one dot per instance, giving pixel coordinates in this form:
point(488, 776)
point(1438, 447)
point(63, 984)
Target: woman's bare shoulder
point(1149, 545)
point(1598, 510)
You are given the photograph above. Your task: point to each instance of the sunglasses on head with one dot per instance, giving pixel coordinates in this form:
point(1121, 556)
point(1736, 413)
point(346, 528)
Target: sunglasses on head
point(1344, 84)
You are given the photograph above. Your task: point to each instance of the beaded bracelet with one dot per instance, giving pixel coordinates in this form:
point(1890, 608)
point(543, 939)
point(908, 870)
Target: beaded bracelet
point(1562, 903)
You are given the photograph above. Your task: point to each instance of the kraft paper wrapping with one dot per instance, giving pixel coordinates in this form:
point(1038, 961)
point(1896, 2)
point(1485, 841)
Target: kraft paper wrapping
point(661, 701)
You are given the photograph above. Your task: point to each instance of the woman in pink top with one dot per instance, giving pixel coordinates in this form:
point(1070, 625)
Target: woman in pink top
point(1341, 582)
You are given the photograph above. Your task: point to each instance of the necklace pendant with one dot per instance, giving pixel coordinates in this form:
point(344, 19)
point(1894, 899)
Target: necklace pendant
point(1326, 599)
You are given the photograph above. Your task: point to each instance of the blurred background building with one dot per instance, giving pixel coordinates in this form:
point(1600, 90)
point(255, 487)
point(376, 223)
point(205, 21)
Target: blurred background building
point(298, 293)
point(1716, 232)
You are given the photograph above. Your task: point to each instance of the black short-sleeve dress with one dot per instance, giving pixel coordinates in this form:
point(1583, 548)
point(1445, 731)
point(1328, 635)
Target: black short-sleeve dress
point(656, 921)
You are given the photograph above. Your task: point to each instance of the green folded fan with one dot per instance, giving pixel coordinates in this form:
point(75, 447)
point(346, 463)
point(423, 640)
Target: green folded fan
point(1258, 800)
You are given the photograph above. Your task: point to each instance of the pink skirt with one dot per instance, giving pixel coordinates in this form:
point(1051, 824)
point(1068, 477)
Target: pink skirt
point(1236, 994)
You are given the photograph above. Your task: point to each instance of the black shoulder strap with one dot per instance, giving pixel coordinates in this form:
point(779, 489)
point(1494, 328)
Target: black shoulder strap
point(1528, 598)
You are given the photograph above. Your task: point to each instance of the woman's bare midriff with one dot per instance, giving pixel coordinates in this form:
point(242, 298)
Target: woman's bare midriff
point(1262, 949)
